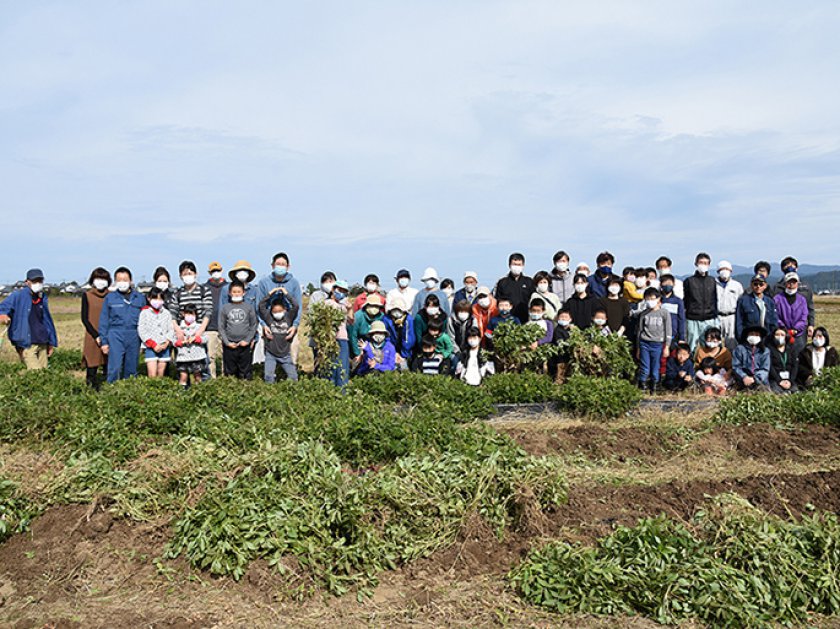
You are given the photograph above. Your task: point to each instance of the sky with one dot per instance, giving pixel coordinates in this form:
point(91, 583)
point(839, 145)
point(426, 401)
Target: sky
point(369, 136)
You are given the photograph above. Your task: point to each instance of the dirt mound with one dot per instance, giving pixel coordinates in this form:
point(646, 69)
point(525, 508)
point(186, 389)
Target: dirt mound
point(594, 441)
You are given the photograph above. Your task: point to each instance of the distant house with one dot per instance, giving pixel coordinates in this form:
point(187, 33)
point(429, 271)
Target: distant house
point(145, 287)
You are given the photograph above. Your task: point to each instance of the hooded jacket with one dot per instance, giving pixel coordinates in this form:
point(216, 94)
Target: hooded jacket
point(402, 337)
point(482, 316)
point(17, 306)
point(562, 285)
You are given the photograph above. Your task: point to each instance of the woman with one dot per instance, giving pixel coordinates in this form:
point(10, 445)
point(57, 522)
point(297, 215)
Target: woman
point(432, 312)
point(338, 298)
point(784, 363)
point(817, 356)
point(582, 305)
point(713, 347)
point(92, 299)
point(163, 281)
point(542, 281)
point(484, 308)
point(617, 307)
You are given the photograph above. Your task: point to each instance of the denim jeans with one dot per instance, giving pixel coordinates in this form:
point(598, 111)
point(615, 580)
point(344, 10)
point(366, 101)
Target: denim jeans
point(341, 372)
point(286, 362)
point(650, 355)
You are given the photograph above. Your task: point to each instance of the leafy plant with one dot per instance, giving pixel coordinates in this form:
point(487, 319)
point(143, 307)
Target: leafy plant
point(520, 388)
point(598, 397)
point(66, 359)
point(816, 406)
point(16, 511)
point(512, 347)
point(323, 322)
point(593, 354)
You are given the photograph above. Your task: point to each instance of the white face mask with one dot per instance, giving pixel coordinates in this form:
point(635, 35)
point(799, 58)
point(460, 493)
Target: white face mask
point(640, 282)
point(614, 289)
point(724, 275)
point(188, 280)
point(378, 338)
point(791, 291)
point(372, 311)
point(162, 285)
point(819, 341)
point(516, 269)
point(712, 344)
point(564, 323)
point(470, 288)
point(653, 283)
point(665, 270)
point(236, 298)
point(278, 316)
point(702, 268)
point(327, 287)
point(463, 316)
point(396, 313)
point(449, 291)
point(242, 276)
point(432, 311)
point(651, 303)
point(371, 287)
point(580, 288)
point(216, 275)
point(100, 284)
point(753, 340)
point(484, 302)
point(36, 287)
point(562, 267)
point(430, 283)
point(123, 286)
point(631, 279)
point(535, 316)
point(779, 340)
point(599, 321)
point(542, 287)
point(474, 342)
point(403, 282)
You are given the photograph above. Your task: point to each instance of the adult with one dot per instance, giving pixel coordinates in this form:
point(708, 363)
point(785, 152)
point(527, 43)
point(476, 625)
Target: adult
point(751, 360)
point(371, 286)
point(552, 303)
point(191, 293)
point(600, 279)
point(373, 310)
point(664, 266)
point(217, 284)
point(484, 308)
point(320, 295)
point(447, 285)
point(431, 286)
point(792, 308)
point(791, 265)
point(31, 329)
point(404, 289)
point(583, 304)
point(243, 272)
point(784, 364)
point(617, 308)
point(468, 291)
point(338, 298)
point(516, 287)
point(818, 355)
point(281, 277)
point(763, 268)
point(729, 291)
point(561, 278)
point(400, 326)
point(92, 300)
point(701, 306)
point(118, 326)
point(756, 308)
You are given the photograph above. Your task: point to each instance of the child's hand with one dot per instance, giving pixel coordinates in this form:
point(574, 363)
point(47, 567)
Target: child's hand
point(372, 363)
point(267, 333)
point(232, 346)
point(291, 334)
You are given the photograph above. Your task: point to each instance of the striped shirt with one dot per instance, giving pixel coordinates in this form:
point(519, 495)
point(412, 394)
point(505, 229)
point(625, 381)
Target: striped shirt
point(199, 296)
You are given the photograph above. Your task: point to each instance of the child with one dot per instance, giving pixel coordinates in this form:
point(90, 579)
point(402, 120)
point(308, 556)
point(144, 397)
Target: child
point(154, 326)
point(191, 357)
point(459, 323)
point(679, 370)
point(751, 362)
point(238, 332)
point(673, 304)
point(484, 309)
point(631, 291)
point(430, 361)
point(505, 315)
point(653, 337)
point(599, 321)
point(279, 309)
point(559, 363)
point(784, 363)
point(378, 353)
point(474, 365)
point(542, 281)
point(616, 307)
point(712, 377)
point(442, 342)
point(536, 316)
point(400, 326)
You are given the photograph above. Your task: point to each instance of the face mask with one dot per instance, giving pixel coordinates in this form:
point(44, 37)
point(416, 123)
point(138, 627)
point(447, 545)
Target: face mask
point(753, 340)
point(653, 283)
point(372, 311)
point(378, 338)
point(277, 316)
point(189, 319)
point(542, 287)
point(605, 270)
point(432, 311)
point(580, 288)
point(448, 292)
point(614, 289)
point(562, 267)
point(470, 288)
point(397, 314)
point(327, 287)
point(339, 296)
point(667, 289)
point(216, 275)
point(651, 303)
point(535, 316)
point(665, 270)
point(403, 282)
point(564, 323)
point(371, 287)
point(779, 340)
point(237, 299)
point(36, 287)
point(819, 341)
point(791, 291)
point(702, 268)
point(162, 285)
point(599, 321)
point(156, 303)
point(712, 344)
point(123, 286)
point(504, 311)
point(463, 316)
point(188, 280)
point(474, 342)
point(516, 269)
point(430, 283)
point(640, 282)
point(280, 270)
point(631, 279)
point(100, 284)
point(724, 275)
point(242, 276)
point(484, 302)
point(790, 269)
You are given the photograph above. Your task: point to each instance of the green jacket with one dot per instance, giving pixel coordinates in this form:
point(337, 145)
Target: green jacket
point(359, 330)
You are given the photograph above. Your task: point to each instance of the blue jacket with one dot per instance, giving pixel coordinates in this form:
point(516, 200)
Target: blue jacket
point(17, 306)
point(420, 301)
point(120, 313)
point(748, 314)
point(404, 342)
point(598, 283)
point(289, 282)
point(678, 317)
point(673, 369)
point(461, 295)
point(752, 361)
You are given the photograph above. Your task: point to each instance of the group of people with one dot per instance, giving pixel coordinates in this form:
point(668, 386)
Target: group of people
point(707, 331)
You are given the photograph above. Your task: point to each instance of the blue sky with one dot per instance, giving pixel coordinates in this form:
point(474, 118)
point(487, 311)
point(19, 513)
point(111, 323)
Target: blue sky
point(367, 136)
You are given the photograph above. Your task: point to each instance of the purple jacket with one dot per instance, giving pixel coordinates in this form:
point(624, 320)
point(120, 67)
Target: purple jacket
point(792, 316)
point(389, 358)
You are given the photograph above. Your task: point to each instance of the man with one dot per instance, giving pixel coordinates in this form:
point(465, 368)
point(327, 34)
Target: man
point(701, 307)
point(431, 283)
point(791, 265)
point(516, 287)
point(792, 310)
point(756, 308)
point(31, 329)
point(664, 267)
point(729, 291)
point(403, 290)
point(194, 294)
point(602, 276)
point(216, 285)
point(468, 292)
point(281, 277)
point(561, 277)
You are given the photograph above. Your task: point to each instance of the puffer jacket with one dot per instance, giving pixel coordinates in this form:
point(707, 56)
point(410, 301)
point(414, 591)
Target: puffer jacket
point(700, 297)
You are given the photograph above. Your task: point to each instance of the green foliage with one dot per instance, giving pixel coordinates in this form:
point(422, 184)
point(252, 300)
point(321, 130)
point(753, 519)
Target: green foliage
point(598, 397)
point(816, 406)
point(16, 511)
point(520, 388)
point(66, 359)
point(593, 354)
point(828, 380)
point(739, 567)
point(512, 347)
point(323, 322)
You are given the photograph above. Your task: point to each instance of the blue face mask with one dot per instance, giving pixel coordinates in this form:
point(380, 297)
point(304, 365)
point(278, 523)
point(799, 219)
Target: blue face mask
point(790, 269)
point(339, 296)
point(280, 271)
point(667, 289)
point(605, 270)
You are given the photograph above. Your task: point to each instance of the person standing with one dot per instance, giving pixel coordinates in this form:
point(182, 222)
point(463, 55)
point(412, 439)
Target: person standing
point(729, 291)
point(238, 324)
point(118, 326)
point(468, 291)
point(756, 308)
point(664, 267)
point(791, 265)
point(701, 307)
point(516, 287)
point(216, 285)
point(281, 277)
point(600, 279)
point(561, 278)
point(792, 309)
point(92, 300)
point(431, 286)
point(31, 329)
point(404, 290)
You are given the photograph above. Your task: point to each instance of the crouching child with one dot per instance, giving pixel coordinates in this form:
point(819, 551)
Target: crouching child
point(474, 365)
point(679, 370)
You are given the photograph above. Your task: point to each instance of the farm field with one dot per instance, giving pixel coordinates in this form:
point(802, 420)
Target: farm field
point(458, 498)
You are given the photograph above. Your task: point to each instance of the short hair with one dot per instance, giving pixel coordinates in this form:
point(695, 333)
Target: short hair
point(161, 270)
point(628, 269)
point(599, 309)
point(505, 299)
point(640, 271)
point(789, 260)
point(187, 265)
point(99, 273)
point(650, 271)
point(537, 301)
point(682, 346)
point(462, 306)
point(709, 363)
point(560, 255)
point(539, 276)
point(580, 277)
point(371, 277)
point(614, 279)
point(564, 311)
point(605, 256)
point(474, 331)
point(664, 259)
point(667, 278)
point(327, 275)
point(713, 332)
point(154, 293)
point(435, 327)
point(236, 284)
point(432, 300)
point(652, 292)
point(189, 309)
point(515, 256)
point(762, 264)
point(123, 269)
point(428, 341)
point(702, 256)
point(447, 283)
point(278, 255)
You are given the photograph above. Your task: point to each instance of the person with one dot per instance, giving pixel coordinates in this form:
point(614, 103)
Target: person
point(154, 327)
point(403, 289)
point(790, 265)
point(633, 292)
point(468, 291)
point(191, 358)
point(616, 307)
point(484, 309)
point(281, 277)
point(338, 299)
point(674, 305)
point(599, 321)
point(281, 311)
point(729, 291)
point(118, 326)
point(216, 284)
point(432, 312)
point(238, 325)
point(516, 287)
point(792, 312)
point(558, 365)
point(244, 273)
point(400, 328)
point(31, 328)
point(582, 269)
point(320, 295)
point(701, 307)
point(600, 279)
point(505, 316)
point(756, 308)
point(429, 360)
point(537, 316)
point(713, 347)
point(763, 268)
point(784, 363)
point(362, 320)
point(561, 278)
point(816, 357)
point(459, 323)
point(443, 342)
point(582, 305)
point(712, 378)
point(92, 300)
point(194, 294)
point(448, 288)
point(371, 286)
point(474, 365)
point(163, 281)
point(653, 338)
point(377, 353)
point(431, 286)
point(679, 369)
point(552, 302)
point(664, 266)
point(751, 360)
